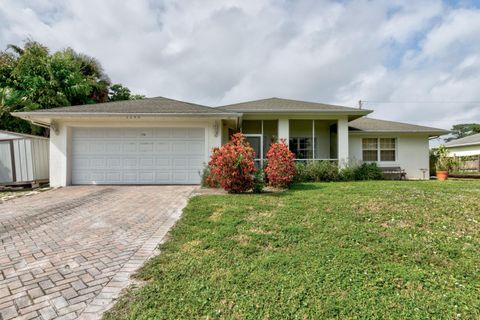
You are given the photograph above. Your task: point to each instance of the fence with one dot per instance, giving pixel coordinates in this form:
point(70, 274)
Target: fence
point(469, 164)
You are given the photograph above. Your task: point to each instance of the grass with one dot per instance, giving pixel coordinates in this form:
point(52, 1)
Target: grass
point(357, 250)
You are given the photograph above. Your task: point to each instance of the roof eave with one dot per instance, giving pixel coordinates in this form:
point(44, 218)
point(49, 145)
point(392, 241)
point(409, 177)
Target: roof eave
point(430, 133)
point(353, 112)
point(463, 145)
point(33, 115)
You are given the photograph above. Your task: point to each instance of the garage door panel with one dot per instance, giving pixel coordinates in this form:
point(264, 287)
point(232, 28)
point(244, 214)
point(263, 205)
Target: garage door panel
point(130, 163)
point(114, 147)
point(179, 147)
point(137, 155)
point(130, 177)
point(180, 133)
point(196, 133)
point(146, 177)
point(146, 162)
point(146, 147)
point(130, 147)
point(114, 163)
point(97, 147)
point(81, 163)
point(163, 177)
point(195, 162)
point(195, 148)
point(163, 163)
point(194, 176)
point(81, 147)
point(98, 163)
point(180, 163)
point(98, 177)
point(163, 147)
point(180, 176)
point(113, 176)
point(163, 133)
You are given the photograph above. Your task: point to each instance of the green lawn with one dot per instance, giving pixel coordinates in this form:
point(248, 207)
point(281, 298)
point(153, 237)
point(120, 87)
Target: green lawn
point(357, 250)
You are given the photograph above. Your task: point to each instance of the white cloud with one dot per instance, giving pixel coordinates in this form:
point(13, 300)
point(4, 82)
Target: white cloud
point(216, 52)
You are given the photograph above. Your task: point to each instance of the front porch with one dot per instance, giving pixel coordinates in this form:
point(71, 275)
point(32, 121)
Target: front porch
point(309, 139)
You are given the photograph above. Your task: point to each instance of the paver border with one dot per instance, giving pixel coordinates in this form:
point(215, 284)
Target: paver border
point(121, 280)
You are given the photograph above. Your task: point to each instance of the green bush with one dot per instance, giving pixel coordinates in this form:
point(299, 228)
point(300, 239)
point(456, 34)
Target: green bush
point(347, 173)
point(368, 171)
point(204, 178)
point(258, 181)
point(316, 171)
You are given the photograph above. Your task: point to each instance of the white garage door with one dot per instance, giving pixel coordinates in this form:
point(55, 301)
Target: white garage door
point(137, 155)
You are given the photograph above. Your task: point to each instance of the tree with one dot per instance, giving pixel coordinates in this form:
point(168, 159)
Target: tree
point(463, 130)
point(118, 93)
point(32, 78)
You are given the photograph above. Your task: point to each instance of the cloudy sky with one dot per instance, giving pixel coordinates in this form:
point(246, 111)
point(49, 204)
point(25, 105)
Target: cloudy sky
point(414, 61)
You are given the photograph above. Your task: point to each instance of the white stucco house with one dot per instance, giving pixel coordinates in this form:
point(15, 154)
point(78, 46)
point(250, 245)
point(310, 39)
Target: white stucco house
point(464, 147)
point(165, 141)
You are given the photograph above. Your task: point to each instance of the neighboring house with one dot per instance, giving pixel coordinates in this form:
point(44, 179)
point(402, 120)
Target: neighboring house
point(467, 146)
point(23, 158)
point(165, 141)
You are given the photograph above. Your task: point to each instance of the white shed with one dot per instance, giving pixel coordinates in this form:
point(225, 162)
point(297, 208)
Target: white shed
point(23, 158)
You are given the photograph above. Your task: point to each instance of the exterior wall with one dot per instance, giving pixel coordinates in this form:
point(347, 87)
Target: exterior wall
point(464, 151)
point(60, 144)
point(412, 153)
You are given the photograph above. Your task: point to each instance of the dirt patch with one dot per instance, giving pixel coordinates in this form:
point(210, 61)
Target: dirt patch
point(242, 239)
point(188, 246)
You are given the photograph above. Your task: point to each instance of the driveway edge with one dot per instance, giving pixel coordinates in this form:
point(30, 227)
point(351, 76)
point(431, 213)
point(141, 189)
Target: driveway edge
point(121, 280)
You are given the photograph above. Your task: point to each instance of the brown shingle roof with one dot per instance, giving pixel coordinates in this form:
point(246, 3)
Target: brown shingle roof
point(158, 105)
point(377, 125)
point(287, 105)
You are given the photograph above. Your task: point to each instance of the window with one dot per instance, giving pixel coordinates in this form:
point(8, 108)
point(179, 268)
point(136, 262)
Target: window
point(301, 147)
point(374, 149)
point(387, 149)
point(370, 149)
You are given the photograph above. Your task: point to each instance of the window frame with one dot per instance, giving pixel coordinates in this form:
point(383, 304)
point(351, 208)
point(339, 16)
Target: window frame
point(379, 149)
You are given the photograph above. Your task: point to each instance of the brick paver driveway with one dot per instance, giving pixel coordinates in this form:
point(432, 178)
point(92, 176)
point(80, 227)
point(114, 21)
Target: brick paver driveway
point(66, 253)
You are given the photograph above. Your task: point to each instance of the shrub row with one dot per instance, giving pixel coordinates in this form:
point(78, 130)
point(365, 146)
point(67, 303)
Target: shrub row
point(318, 171)
point(232, 167)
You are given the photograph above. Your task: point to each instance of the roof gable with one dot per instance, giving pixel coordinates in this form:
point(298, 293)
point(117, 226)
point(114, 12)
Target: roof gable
point(288, 105)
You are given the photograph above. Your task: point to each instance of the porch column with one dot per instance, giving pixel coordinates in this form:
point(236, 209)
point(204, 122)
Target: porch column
point(283, 130)
point(342, 136)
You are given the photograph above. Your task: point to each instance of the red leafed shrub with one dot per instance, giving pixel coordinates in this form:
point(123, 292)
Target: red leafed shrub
point(232, 165)
point(280, 168)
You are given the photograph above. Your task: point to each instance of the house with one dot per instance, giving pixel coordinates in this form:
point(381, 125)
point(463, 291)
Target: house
point(165, 141)
point(23, 158)
point(467, 146)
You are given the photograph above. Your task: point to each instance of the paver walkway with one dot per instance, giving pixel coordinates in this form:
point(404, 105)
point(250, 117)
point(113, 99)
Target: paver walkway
point(67, 253)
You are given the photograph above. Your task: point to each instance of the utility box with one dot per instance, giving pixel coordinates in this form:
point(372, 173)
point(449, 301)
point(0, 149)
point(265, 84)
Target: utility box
point(23, 158)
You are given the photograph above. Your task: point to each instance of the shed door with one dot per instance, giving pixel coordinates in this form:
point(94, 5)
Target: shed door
point(137, 155)
point(6, 174)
